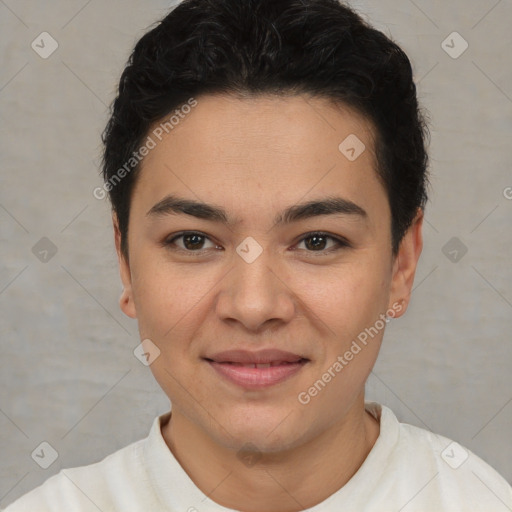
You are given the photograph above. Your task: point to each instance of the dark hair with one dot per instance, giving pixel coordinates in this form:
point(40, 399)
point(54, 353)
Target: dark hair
point(243, 47)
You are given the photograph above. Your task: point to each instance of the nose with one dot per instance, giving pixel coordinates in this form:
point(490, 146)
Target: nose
point(256, 294)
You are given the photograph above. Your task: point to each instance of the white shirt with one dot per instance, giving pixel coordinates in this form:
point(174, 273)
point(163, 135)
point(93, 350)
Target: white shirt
point(408, 469)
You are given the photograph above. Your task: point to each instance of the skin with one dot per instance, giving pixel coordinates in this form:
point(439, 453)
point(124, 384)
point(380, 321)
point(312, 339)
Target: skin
point(254, 157)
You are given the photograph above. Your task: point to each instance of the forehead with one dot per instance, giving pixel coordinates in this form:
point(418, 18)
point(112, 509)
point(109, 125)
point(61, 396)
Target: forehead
point(261, 151)
point(285, 126)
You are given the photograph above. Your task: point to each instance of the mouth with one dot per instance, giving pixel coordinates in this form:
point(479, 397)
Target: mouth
point(251, 375)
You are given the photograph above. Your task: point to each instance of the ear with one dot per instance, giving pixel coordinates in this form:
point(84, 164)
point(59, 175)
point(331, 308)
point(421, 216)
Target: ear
point(126, 300)
point(404, 265)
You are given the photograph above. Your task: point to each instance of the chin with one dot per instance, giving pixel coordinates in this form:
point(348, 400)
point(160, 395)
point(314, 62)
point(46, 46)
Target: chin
point(267, 433)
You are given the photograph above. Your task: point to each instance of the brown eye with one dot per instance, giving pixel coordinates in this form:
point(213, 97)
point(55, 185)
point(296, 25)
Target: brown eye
point(192, 241)
point(318, 242)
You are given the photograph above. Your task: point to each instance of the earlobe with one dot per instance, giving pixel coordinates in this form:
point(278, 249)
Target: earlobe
point(126, 302)
point(405, 264)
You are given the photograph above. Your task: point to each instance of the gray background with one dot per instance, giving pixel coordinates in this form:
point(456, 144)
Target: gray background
point(68, 373)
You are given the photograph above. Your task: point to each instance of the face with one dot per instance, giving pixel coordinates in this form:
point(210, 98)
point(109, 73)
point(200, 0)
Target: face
point(257, 271)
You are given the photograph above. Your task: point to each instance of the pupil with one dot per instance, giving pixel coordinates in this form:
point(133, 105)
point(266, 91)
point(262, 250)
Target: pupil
point(319, 242)
point(187, 238)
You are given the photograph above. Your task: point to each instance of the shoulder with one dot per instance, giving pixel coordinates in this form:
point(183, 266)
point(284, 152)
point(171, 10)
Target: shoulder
point(445, 474)
point(91, 487)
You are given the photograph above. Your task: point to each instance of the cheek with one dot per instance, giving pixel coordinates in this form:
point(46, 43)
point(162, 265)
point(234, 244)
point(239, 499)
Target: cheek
point(163, 296)
point(350, 303)
point(346, 296)
point(169, 299)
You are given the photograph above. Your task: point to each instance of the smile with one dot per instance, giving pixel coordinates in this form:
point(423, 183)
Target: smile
point(257, 375)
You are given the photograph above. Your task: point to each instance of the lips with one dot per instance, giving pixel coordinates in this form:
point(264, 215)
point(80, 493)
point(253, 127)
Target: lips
point(259, 365)
point(256, 370)
point(261, 357)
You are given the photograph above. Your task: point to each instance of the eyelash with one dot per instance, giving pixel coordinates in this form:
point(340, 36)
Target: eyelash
point(341, 242)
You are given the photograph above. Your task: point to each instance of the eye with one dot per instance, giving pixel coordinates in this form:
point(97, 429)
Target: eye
point(192, 241)
point(317, 241)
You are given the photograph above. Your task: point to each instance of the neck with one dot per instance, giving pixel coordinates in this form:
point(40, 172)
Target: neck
point(285, 481)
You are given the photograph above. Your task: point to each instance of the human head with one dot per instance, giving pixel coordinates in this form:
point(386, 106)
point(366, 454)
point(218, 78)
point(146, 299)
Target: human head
point(244, 162)
point(271, 47)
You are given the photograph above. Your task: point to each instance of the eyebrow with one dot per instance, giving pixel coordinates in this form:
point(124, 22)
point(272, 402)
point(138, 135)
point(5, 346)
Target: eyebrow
point(332, 205)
